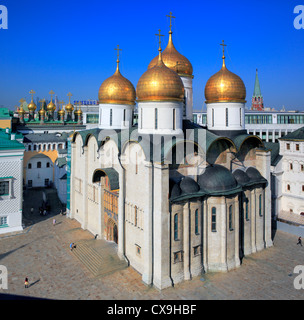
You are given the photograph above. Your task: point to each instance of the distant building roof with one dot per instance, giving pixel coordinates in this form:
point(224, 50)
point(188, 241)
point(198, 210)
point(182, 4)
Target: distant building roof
point(43, 137)
point(295, 135)
point(8, 141)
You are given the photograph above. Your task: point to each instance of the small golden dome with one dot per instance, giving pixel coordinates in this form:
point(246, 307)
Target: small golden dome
point(21, 110)
point(159, 83)
point(41, 111)
point(69, 107)
point(32, 106)
point(78, 111)
point(117, 90)
point(225, 86)
point(51, 106)
point(174, 60)
point(61, 111)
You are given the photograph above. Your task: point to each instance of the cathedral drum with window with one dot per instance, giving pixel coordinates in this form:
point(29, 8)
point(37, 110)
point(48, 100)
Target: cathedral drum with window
point(178, 199)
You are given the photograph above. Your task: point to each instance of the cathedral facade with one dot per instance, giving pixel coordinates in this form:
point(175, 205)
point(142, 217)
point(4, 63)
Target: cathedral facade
point(179, 199)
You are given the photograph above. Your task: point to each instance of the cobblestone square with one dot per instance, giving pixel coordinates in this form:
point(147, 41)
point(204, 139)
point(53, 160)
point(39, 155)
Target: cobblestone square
point(41, 252)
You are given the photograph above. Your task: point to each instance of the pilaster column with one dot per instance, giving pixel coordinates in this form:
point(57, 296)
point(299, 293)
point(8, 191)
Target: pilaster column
point(148, 227)
point(186, 238)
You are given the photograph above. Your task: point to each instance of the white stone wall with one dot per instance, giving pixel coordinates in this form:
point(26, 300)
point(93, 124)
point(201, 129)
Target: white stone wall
point(11, 170)
point(165, 117)
point(217, 119)
point(292, 181)
point(39, 175)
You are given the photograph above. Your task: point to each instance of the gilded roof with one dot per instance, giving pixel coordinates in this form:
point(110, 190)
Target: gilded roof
point(174, 60)
point(160, 83)
point(225, 86)
point(117, 89)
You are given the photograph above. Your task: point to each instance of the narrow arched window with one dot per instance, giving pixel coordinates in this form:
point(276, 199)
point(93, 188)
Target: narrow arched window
point(39, 164)
point(176, 227)
point(111, 116)
point(174, 118)
point(247, 210)
point(226, 117)
point(48, 165)
point(156, 119)
point(260, 205)
point(213, 219)
point(196, 221)
point(29, 166)
point(230, 218)
point(135, 216)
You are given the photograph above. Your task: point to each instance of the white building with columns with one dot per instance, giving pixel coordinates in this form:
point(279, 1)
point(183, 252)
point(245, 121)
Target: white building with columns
point(178, 199)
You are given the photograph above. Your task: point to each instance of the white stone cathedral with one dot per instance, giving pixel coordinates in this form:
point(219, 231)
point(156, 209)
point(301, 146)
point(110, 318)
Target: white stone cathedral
point(177, 198)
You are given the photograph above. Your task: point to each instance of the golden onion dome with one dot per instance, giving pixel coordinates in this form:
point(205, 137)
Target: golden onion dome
point(61, 111)
point(51, 106)
point(69, 107)
point(32, 106)
point(225, 86)
point(78, 111)
point(174, 60)
point(41, 111)
point(160, 83)
point(117, 90)
point(21, 110)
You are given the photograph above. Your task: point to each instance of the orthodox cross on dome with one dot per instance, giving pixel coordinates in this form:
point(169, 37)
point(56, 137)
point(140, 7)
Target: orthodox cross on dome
point(61, 103)
point(21, 101)
point(171, 17)
point(159, 41)
point(51, 93)
point(32, 92)
point(117, 49)
point(223, 45)
point(69, 95)
point(42, 103)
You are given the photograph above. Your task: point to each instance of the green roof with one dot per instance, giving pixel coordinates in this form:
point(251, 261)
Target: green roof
point(7, 144)
point(257, 89)
point(295, 135)
point(5, 113)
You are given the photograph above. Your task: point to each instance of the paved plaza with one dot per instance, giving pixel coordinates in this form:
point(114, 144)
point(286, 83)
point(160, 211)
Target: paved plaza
point(41, 252)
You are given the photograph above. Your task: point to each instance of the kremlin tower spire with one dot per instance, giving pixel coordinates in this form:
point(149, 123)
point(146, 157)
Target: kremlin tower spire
point(257, 98)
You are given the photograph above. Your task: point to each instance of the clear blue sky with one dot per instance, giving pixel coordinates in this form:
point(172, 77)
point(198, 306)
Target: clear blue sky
point(68, 46)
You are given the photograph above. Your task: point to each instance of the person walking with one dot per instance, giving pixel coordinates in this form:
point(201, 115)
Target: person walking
point(54, 221)
point(72, 246)
point(299, 241)
point(26, 282)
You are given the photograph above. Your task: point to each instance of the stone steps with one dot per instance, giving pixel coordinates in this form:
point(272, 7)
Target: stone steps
point(98, 263)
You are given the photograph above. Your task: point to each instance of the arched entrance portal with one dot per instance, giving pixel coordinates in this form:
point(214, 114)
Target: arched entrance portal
point(112, 233)
point(109, 181)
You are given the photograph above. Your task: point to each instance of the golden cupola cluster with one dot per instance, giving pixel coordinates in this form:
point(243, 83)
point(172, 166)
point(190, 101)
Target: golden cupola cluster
point(117, 89)
point(160, 83)
point(225, 86)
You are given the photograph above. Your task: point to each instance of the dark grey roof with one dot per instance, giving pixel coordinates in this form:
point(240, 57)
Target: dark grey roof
point(43, 137)
point(188, 185)
point(295, 135)
point(241, 177)
point(255, 176)
point(218, 179)
point(274, 148)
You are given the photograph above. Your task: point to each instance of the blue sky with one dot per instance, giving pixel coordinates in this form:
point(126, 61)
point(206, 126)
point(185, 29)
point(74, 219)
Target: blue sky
point(68, 46)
